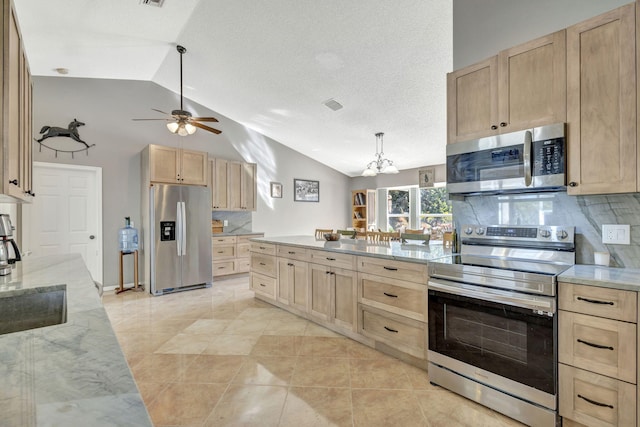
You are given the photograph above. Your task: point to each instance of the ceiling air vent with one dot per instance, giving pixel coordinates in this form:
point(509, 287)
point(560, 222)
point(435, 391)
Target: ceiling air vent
point(156, 3)
point(333, 104)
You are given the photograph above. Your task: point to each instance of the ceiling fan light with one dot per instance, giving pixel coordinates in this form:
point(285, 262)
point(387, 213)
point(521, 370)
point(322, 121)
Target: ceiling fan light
point(191, 129)
point(173, 127)
point(182, 131)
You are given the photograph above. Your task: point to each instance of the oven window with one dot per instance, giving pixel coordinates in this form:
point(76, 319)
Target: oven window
point(508, 341)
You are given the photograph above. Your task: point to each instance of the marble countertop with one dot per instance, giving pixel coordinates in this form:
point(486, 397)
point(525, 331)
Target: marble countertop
point(69, 374)
point(389, 250)
point(237, 233)
point(606, 277)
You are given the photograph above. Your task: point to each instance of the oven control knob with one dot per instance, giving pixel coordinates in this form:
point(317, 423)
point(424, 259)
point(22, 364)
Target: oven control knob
point(561, 234)
point(468, 230)
point(479, 231)
point(545, 233)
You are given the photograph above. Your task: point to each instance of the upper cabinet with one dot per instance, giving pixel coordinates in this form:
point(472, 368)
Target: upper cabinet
point(602, 153)
point(177, 166)
point(16, 122)
point(233, 185)
point(521, 87)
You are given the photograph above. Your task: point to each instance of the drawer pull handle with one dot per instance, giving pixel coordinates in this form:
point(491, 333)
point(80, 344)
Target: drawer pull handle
point(330, 259)
point(262, 263)
point(290, 264)
point(593, 301)
point(390, 268)
point(595, 345)
point(391, 330)
point(390, 295)
point(291, 252)
point(593, 402)
point(263, 285)
point(262, 247)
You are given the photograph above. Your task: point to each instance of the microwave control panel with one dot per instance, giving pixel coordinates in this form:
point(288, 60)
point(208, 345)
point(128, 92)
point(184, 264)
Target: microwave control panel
point(549, 158)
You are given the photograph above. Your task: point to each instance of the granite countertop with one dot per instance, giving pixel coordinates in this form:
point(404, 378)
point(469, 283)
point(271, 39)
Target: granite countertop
point(236, 233)
point(606, 277)
point(69, 374)
point(414, 252)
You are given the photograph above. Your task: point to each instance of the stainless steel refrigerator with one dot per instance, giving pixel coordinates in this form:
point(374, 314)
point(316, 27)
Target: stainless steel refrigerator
point(180, 238)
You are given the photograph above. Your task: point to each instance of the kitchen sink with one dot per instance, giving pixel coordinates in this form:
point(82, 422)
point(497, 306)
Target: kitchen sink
point(21, 310)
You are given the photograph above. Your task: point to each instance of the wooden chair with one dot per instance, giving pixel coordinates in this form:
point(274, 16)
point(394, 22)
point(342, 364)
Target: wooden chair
point(380, 236)
point(347, 233)
point(409, 231)
point(320, 232)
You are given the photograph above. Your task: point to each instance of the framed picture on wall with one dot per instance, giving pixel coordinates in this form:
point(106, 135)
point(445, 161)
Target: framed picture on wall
point(305, 190)
point(276, 190)
point(426, 177)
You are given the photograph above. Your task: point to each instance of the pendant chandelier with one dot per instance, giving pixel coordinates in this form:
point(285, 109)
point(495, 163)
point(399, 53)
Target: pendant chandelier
point(380, 164)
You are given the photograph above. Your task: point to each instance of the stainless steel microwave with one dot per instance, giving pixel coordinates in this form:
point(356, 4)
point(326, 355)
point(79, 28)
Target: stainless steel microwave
point(524, 161)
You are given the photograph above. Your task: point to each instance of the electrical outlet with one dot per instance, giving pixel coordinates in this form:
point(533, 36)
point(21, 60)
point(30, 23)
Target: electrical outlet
point(225, 223)
point(616, 234)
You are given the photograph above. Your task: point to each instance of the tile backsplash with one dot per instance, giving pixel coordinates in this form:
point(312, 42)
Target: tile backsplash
point(237, 221)
point(586, 213)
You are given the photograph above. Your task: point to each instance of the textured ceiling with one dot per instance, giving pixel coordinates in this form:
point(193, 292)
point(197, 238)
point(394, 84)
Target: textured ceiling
point(270, 65)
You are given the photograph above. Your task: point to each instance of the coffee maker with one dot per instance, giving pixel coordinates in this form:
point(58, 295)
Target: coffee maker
point(6, 240)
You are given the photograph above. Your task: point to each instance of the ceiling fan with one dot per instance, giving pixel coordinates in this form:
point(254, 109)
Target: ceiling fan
point(181, 121)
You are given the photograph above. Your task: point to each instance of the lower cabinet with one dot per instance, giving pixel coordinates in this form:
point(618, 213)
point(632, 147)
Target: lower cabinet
point(263, 277)
point(230, 254)
point(333, 295)
point(293, 283)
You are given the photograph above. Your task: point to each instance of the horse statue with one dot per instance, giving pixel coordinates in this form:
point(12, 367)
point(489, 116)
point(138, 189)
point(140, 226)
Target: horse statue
point(70, 132)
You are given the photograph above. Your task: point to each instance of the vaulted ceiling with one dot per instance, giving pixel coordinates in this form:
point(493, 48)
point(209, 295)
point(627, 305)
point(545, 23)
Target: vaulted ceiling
point(271, 65)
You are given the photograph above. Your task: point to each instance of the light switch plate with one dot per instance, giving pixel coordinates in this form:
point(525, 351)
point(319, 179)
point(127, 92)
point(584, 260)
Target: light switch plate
point(225, 223)
point(616, 234)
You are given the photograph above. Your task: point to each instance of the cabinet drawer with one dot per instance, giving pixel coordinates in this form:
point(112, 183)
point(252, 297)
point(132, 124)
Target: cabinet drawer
point(222, 252)
point(610, 303)
point(595, 400)
point(223, 240)
point(293, 252)
point(412, 272)
point(400, 297)
point(223, 268)
point(399, 332)
point(263, 248)
point(243, 250)
point(263, 285)
point(263, 264)
point(333, 259)
point(242, 265)
point(599, 345)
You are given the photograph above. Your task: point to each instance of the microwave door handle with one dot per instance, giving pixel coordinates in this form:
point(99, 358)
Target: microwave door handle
point(527, 158)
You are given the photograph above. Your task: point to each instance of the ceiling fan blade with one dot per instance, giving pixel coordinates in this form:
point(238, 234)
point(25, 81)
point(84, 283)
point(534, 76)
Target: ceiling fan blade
point(201, 126)
point(159, 111)
point(205, 119)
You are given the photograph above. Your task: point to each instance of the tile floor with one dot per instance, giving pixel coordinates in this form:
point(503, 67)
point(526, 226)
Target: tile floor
point(219, 357)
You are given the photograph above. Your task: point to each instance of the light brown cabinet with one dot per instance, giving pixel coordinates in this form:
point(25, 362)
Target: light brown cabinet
point(521, 87)
point(597, 351)
point(171, 165)
point(233, 185)
point(601, 104)
point(17, 133)
point(263, 276)
point(333, 295)
point(231, 254)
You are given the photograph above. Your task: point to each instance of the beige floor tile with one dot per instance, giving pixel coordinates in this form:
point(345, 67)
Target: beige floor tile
point(150, 391)
point(248, 405)
point(378, 373)
point(271, 345)
point(325, 347)
point(254, 313)
point(419, 378)
point(317, 407)
point(162, 367)
point(264, 370)
point(185, 344)
point(185, 403)
point(286, 327)
point(321, 372)
point(207, 326)
point(208, 368)
point(315, 330)
point(355, 350)
point(231, 344)
point(384, 408)
point(245, 327)
point(142, 342)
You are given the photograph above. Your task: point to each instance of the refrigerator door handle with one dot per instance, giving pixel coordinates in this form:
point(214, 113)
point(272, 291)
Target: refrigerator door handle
point(178, 229)
point(184, 229)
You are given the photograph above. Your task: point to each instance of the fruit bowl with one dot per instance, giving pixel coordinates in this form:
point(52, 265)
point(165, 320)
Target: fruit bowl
point(331, 237)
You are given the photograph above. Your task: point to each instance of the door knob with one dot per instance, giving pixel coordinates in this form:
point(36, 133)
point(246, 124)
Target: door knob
point(92, 237)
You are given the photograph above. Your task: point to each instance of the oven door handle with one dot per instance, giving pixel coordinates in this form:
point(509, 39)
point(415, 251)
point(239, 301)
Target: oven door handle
point(544, 304)
point(527, 158)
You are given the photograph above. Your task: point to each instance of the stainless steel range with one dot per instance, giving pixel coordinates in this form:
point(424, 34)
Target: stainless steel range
point(492, 318)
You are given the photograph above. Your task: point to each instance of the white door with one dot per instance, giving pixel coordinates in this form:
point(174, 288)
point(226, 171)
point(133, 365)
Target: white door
point(66, 214)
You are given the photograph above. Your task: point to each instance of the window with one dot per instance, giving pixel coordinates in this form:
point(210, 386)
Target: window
point(435, 211)
point(398, 209)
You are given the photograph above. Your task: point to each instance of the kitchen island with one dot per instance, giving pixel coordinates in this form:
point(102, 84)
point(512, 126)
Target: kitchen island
point(375, 293)
point(69, 374)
